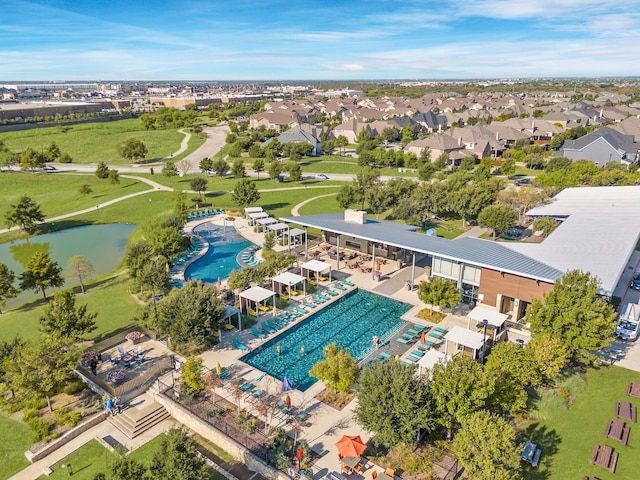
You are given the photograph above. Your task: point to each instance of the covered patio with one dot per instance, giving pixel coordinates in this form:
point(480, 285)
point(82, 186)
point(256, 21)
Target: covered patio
point(229, 313)
point(255, 295)
point(297, 236)
point(495, 320)
point(430, 359)
point(286, 282)
point(265, 222)
point(250, 210)
point(280, 229)
point(315, 266)
point(466, 341)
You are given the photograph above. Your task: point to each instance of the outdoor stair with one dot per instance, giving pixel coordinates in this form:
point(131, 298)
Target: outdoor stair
point(133, 422)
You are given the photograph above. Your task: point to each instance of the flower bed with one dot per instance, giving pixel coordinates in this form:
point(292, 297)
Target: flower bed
point(88, 357)
point(133, 336)
point(116, 375)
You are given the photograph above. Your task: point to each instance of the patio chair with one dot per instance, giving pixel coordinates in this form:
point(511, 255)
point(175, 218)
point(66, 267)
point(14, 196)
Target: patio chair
point(121, 352)
point(302, 415)
point(435, 335)
point(347, 282)
point(238, 345)
point(257, 333)
point(391, 472)
point(267, 328)
point(140, 359)
point(114, 361)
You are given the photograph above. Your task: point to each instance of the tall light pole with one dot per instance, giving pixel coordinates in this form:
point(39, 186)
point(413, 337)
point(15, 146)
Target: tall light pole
point(483, 324)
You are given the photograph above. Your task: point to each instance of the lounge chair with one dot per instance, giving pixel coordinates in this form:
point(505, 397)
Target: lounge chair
point(280, 404)
point(267, 328)
point(308, 304)
point(411, 358)
point(435, 335)
point(424, 346)
point(263, 308)
point(408, 336)
point(330, 292)
point(257, 393)
point(313, 282)
point(440, 329)
point(321, 278)
point(302, 415)
point(257, 333)
point(384, 355)
point(418, 327)
point(279, 321)
point(417, 353)
point(321, 296)
point(347, 282)
point(339, 287)
point(413, 332)
point(293, 313)
point(403, 340)
point(274, 325)
point(284, 296)
point(251, 311)
point(301, 310)
point(247, 386)
point(292, 292)
point(241, 346)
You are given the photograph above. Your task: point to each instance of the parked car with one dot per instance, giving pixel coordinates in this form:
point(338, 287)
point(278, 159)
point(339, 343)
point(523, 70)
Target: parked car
point(321, 176)
point(49, 168)
point(522, 181)
point(635, 283)
point(628, 327)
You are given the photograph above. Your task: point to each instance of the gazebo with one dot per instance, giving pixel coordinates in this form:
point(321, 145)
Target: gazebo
point(315, 266)
point(229, 312)
point(252, 217)
point(257, 295)
point(250, 210)
point(288, 279)
point(431, 358)
point(299, 236)
point(264, 222)
point(495, 320)
point(470, 341)
point(281, 230)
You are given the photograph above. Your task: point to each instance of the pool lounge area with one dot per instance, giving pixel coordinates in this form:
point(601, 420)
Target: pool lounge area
point(351, 321)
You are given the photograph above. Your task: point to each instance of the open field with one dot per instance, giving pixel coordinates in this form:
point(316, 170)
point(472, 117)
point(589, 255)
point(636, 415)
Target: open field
point(95, 142)
point(568, 436)
point(15, 438)
point(58, 194)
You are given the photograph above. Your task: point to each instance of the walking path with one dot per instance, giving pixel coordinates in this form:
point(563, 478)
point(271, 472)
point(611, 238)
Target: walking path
point(295, 209)
point(183, 145)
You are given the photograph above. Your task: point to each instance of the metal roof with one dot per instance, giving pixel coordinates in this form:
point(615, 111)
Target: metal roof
point(482, 253)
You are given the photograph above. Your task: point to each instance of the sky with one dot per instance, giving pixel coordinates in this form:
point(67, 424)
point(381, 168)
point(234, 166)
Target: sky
point(317, 39)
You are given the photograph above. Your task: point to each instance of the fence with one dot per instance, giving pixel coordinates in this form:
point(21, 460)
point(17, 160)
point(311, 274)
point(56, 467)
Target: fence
point(214, 416)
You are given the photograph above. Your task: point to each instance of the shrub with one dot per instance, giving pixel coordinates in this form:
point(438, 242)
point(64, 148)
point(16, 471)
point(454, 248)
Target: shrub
point(64, 416)
point(73, 387)
point(29, 413)
point(39, 429)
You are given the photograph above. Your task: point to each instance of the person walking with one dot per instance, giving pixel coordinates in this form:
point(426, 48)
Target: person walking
point(109, 407)
point(116, 403)
point(94, 366)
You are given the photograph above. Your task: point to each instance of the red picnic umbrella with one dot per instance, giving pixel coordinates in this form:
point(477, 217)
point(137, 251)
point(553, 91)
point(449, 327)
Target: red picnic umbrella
point(287, 402)
point(423, 338)
point(351, 446)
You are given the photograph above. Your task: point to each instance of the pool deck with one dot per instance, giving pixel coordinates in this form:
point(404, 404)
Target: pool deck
point(326, 425)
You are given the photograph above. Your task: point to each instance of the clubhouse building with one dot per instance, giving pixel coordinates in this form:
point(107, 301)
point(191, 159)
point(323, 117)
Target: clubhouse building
point(599, 229)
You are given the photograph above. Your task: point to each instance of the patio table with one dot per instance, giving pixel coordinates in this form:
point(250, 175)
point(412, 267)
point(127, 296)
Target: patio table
point(351, 462)
point(604, 456)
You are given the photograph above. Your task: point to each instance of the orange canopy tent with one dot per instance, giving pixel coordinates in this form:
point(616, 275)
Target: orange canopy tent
point(351, 446)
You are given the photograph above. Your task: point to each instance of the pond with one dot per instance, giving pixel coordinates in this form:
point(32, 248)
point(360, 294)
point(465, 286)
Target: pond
point(102, 245)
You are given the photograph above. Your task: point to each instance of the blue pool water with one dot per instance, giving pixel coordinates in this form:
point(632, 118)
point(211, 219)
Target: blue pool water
point(225, 244)
point(351, 321)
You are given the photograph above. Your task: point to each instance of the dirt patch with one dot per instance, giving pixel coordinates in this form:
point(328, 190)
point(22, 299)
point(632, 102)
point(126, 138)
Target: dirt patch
point(336, 400)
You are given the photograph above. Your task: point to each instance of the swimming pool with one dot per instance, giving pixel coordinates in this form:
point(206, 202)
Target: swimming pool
point(351, 321)
point(225, 245)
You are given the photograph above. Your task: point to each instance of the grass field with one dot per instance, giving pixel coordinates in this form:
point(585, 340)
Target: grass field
point(95, 142)
point(108, 297)
point(567, 436)
point(58, 193)
point(15, 438)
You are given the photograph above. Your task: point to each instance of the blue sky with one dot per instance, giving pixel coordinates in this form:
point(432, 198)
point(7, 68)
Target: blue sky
point(309, 40)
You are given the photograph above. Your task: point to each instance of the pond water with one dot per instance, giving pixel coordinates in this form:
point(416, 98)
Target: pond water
point(103, 245)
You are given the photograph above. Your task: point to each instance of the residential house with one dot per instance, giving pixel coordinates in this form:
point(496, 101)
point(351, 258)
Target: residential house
point(297, 135)
point(601, 147)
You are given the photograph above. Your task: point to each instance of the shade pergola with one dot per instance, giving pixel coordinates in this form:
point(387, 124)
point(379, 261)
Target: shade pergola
point(467, 339)
point(249, 210)
point(256, 216)
point(229, 312)
point(315, 266)
point(280, 229)
point(288, 279)
point(254, 295)
point(495, 320)
point(263, 222)
point(430, 359)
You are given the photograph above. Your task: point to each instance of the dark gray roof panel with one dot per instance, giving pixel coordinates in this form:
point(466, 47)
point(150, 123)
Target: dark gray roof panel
point(475, 251)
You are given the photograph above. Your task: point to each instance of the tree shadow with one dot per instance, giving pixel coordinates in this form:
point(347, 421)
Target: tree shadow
point(548, 441)
point(274, 206)
point(62, 225)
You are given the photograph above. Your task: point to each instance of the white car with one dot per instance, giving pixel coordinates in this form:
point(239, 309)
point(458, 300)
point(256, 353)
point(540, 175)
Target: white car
point(49, 168)
point(321, 176)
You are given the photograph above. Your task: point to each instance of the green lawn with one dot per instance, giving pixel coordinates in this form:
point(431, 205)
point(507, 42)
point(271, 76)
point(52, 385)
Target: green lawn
point(15, 439)
point(568, 436)
point(107, 296)
point(94, 142)
point(58, 193)
point(93, 458)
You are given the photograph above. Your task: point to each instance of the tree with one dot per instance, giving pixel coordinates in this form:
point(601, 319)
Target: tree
point(220, 167)
point(497, 217)
point(206, 164)
point(522, 199)
point(164, 237)
point(31, 160)
point(486, 446)
point(339, 370)
point(245, 193)
point(178, 458)
point(574, 313)
point(190, 314)
point(41, 273)
point(439, 292)
point(341, 142)
point(180, 205)
point(274, 171)
point(126, 468)
point(132, 149)
point(393, 403)
point(43, 367)
point(295, 171)
point(348, 195)
point(550, 355)
point(114, 176)
point(269, 241)
point(365, 180)
point(79, 268)
point(508, 166)
point(8, 352)
point(170, 169)
point(258, 166)
point(85, 189)
point(65, 158)
point(52, 153)
point(192, 381)
point(237, 169)
point(199, 184)
point(459, 388)
point(469, 200)
point(184, 166)
point(535, 161)
point(26, 213)
point(7, 290)
point(61, 317)
point(102, 170)
point(546, 224)
point(407, 134)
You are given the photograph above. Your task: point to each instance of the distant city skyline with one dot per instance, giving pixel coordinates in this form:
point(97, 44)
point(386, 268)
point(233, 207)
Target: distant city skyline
point(317, 40)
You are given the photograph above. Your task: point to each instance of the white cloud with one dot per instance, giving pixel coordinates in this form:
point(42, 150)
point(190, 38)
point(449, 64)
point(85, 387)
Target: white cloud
point(351, 67)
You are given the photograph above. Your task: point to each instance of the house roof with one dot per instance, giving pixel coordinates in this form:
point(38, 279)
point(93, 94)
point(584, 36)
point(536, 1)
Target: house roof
point(482, 253)
point(617, 140)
